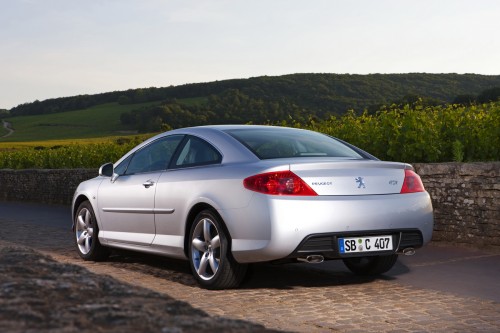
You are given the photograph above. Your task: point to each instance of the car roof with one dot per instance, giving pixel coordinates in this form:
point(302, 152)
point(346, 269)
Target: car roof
point(233, 127)
point(231, 149)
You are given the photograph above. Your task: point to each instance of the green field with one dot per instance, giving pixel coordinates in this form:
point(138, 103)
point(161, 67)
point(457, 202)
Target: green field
point(98, 121)
point(193, 101)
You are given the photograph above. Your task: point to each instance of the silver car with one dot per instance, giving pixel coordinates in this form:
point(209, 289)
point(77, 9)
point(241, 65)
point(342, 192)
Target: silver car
point(226, 196)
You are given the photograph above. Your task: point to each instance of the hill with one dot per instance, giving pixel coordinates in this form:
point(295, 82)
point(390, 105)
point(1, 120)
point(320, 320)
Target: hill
point(262, 99)
point(96, 121)
point(328, 92)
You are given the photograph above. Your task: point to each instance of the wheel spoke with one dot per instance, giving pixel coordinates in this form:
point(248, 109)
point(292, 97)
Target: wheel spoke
point(199, 244)
point(90, 231)
point(206, 229)
point(81, 223)
point(88, 218)
point(215, 242)
point(81, 239)
point(87, 244)
point(203, 265)
point(214, 264)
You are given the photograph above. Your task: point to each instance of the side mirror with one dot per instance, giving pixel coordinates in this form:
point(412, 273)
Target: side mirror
point(106, 170)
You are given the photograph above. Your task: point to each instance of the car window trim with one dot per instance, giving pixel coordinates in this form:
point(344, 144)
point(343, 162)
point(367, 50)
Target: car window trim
point(363, 154)
point(149, 144)
point(180, 147)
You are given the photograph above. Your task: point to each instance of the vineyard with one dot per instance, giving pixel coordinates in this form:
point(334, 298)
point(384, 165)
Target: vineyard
point(421, 134)
point(407, 134)
point(70, 155)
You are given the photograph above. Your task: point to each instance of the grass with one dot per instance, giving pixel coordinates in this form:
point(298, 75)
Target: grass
point(98, 121)
point(194, 101)
point(59, 129)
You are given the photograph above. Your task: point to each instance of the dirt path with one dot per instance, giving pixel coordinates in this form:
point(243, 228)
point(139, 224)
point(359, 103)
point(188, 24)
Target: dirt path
point(8, 127)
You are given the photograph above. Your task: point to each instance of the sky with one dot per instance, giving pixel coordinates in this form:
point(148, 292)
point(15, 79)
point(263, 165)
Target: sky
point(57, 48)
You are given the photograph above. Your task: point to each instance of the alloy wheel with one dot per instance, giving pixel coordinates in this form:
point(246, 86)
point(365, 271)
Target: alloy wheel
point(84, 230)
point(206, 249)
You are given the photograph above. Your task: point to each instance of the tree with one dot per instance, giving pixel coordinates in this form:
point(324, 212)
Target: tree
point(122, 100)
point(489, 95)
point(465, 99)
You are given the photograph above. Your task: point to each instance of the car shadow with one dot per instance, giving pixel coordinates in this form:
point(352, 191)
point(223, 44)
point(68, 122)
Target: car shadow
point(158, 266)
point(398, 269)
point(327, 274)
point(289, 276)
point(259, 276)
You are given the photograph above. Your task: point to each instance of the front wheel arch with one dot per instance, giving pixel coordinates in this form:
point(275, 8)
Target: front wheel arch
point(86, 233)
point(78, 201)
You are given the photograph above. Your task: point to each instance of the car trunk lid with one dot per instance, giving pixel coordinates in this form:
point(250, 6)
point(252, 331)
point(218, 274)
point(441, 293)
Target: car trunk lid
point(352, 177)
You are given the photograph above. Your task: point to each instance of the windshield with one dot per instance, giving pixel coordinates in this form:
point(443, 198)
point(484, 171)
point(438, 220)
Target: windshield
point(273, 142)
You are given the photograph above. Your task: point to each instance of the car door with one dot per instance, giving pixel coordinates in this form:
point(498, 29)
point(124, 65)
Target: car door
point(126, 201)
point(178, 187)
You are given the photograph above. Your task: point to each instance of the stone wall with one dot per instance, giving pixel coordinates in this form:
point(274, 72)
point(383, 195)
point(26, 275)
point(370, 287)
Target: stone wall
point(465, 196)
point(466, 201)
point(45, 186)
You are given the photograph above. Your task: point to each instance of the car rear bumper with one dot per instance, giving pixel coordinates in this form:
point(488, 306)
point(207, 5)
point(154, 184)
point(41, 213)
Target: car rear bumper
point(327, 245)
point(274, 227)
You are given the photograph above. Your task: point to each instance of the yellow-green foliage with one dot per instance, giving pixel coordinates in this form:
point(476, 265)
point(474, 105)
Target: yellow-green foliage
point(418, 134)
point(73, 155)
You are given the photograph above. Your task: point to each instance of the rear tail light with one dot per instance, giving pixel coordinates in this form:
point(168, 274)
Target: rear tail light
point(412, 183)
point(278, 183)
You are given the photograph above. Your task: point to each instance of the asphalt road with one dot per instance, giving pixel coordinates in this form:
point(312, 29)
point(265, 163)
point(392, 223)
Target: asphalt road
point(440, 267)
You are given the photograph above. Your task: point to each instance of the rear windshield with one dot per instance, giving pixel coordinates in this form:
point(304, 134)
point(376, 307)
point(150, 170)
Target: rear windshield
point(274, 142)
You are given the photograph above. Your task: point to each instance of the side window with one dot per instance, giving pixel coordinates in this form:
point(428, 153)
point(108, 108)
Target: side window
point(155, 156)
point(196, 152)
point(120, 168)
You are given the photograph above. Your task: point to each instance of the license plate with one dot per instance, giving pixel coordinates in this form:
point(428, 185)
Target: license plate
point(365, 244)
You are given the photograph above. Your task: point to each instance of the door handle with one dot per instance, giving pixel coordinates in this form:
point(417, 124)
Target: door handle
point(148, 183)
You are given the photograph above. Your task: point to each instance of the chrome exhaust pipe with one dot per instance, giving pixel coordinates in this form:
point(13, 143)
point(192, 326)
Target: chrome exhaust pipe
point(409, 251)
point(312, 259)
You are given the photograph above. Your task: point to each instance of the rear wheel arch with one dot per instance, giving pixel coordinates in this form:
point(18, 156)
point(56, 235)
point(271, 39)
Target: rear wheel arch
point(209, 253)
point(195, 210)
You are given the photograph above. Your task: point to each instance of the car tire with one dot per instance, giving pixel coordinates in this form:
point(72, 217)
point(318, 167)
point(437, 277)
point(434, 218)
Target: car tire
point(371, 265)
point(209, 254)
point(86, 234)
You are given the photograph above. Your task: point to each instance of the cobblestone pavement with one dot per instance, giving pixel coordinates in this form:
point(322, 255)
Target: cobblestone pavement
point(286, 297)
point(38, 294)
